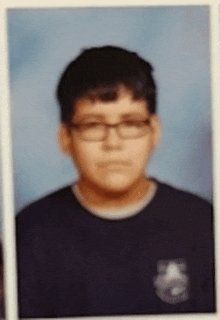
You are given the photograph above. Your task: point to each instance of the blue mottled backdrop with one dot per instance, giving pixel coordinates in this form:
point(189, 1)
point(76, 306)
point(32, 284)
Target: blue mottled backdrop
point(174, 39)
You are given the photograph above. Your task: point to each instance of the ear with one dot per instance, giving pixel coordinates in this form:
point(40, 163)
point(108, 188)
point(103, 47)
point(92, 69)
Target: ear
point(64, 139)
point(155, 127)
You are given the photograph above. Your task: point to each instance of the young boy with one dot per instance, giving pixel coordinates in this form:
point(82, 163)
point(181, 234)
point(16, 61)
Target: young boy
point(117, 242)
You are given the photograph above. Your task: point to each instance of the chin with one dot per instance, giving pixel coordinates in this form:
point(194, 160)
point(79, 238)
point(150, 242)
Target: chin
point(116, 184)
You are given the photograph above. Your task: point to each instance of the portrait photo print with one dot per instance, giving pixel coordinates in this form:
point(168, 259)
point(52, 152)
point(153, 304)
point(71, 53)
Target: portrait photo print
point(111, 118)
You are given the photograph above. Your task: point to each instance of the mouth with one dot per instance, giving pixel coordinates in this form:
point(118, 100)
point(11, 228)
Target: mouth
point(114, 164)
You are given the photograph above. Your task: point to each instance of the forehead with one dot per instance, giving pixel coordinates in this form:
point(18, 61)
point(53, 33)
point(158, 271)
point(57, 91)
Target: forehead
point(122, 106)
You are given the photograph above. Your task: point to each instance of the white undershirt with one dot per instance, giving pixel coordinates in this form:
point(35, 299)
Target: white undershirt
point(126, 212)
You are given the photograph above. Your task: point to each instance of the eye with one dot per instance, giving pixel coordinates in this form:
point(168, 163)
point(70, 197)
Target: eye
point(133, 123)
point(91, 125)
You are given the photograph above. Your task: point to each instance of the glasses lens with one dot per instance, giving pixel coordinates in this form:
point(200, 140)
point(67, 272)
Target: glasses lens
point(92, 132)
point(132, 129)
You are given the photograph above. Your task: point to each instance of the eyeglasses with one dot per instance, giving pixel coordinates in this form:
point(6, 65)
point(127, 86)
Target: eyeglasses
point(98, 131)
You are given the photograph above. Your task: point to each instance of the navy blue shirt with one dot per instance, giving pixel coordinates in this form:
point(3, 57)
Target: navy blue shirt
point(72, 263)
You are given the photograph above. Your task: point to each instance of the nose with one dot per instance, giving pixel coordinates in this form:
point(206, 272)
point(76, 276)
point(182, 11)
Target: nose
point(113, 140)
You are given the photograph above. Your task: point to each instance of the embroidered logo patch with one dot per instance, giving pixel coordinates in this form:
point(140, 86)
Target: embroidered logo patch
point(172, 282)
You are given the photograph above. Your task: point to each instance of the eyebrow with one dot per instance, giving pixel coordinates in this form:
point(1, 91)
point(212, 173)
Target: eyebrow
point(103, 117)
point(133, 114)
point(90, 116)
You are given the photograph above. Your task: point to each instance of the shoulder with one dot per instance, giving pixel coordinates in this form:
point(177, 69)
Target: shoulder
point(184, 206)
point(177, 196)
point(45, 208)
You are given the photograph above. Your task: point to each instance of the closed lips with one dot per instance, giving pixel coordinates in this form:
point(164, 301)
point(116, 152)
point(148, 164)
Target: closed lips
point(113, 163)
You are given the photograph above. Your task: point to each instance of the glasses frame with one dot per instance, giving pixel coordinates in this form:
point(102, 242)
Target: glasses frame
point(108, 126)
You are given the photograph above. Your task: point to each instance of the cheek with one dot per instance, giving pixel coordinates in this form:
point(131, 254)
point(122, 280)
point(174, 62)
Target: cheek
point(84, 155)
point(139, 150)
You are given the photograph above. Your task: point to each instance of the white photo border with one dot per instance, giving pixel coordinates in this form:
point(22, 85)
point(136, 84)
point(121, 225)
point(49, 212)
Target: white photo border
point(10, 277)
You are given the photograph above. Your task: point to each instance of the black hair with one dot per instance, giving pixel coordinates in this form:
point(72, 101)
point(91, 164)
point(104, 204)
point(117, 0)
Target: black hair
point(98, 72)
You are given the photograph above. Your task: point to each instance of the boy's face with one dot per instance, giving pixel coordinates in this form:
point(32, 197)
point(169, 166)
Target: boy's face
point(114, 164)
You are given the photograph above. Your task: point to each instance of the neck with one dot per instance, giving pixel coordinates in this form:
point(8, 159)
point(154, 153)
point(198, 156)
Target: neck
point(102, 199)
